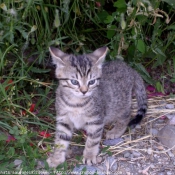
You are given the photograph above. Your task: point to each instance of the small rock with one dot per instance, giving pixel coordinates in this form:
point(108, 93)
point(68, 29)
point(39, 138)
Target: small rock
point(40, 164)
point(99, 159)
point(161, 121)
point(161, 173)
point(152, 166)
point(169, 116)
point(113, 142)
point(153, 131)
point(138, 126)
point(132, 131)
point(167, 136)
point(86, 170)
point(172, 121)
point(17, 163)
point(111, 161)
point(149, 151)
point(136, 154)
point(127, 154)
point(170, 154)
point(169, 173)
point(170, 106)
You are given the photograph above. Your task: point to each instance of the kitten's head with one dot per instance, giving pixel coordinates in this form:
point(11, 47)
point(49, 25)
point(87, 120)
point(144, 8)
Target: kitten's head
point(79, 74)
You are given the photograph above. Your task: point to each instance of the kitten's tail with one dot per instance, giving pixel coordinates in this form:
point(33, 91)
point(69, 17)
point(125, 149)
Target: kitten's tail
point(141, 101)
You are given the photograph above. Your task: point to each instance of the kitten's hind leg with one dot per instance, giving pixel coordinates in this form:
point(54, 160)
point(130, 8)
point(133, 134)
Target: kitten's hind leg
point(119, 128)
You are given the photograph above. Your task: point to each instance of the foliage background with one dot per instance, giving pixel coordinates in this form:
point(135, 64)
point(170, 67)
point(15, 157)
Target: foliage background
point(141, 32)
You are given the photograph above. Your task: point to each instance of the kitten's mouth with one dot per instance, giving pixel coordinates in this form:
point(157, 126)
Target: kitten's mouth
point(84, 95)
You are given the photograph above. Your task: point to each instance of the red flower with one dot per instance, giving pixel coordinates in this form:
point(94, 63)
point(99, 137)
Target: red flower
point(44, 134)
point(31, 144)
point(98, 4)
point(10, 138)
point(32, 107)
point(150, 88)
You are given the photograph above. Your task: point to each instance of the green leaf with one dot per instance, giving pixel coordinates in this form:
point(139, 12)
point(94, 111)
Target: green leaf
point(109, 19)
point(37, 70)
point(159, 51)
point(3, 137)
point(173, 80)
point(105, 149)
point(15, 128)
point(11, 131)
point(159, 87)
point(103, 15)
point(161, 57)
point(170, 2)
point(174, 64)
point(141, 46)
point(111, 31)
point(11, 152)
point(143, 72)
point(121, 6)
point(2, 157)
point(171, 27)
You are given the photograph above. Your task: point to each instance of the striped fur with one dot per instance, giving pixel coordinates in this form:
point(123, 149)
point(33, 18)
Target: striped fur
point(91, 95)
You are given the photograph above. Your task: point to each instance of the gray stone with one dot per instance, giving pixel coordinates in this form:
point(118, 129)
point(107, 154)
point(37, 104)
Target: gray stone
point(113, 142)
point(86, 170)
point(149, 151)
point(136, 154)
point(40, 164)
point(161, 173)
point(172, 121)
point(169, 116)
point(169, 173)
point(161, 121)
point(138, 126)
point(170, 106)
point(112, 163)
point(167, 136)
point(153, 131)
point(127, 154)
point(17, 163)
point(170, 154)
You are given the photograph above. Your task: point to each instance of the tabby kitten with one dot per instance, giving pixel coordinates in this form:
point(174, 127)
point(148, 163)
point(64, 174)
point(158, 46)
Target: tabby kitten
point(90, 95)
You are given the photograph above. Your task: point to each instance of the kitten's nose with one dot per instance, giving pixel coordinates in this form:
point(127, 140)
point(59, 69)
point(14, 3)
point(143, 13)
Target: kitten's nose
point(83, 89)
point(83, 92)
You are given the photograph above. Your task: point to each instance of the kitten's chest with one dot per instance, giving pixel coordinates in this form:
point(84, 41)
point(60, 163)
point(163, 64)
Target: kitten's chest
point(78, 118)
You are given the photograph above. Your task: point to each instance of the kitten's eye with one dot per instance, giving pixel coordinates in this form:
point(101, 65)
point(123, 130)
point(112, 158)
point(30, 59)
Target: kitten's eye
point(91, 82)
point(74, 82)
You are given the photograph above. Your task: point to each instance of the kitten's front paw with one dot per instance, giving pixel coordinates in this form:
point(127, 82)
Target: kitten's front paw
point(54, 162)
point(89, 159)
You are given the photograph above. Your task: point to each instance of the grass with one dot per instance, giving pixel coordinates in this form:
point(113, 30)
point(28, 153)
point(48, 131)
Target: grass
point(142, 37)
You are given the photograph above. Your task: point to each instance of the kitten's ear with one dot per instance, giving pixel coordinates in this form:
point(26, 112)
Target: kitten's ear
point(98, 56)
point(57, 56)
